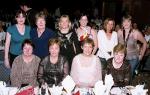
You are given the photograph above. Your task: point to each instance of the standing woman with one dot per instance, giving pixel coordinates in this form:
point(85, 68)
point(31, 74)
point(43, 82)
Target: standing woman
point(69, 41)
point(40, 35)
point(107, 40)
point(85, 31)
point(15, 35)
point(129, 37)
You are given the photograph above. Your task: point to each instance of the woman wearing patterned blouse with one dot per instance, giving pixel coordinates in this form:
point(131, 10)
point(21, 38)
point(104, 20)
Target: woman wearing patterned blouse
point(54, 67)
point(25, 67)
point(85, 31)
point(70, 45)
point(118, 67)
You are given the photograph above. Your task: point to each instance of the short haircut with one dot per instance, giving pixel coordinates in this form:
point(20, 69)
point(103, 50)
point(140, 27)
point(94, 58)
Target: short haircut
point(127, 17)
point(88, 41)
point(40, 15)
point(119, 48)
point(29, 42)
point(53, 41)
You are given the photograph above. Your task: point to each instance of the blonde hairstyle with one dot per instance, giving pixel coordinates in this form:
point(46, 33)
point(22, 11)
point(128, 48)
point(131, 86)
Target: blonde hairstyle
point(106, 22)
point(40, 15)
point(64, 16)
point(119, 48)
point(127, 17)
point(53, 41)
point(88, 41)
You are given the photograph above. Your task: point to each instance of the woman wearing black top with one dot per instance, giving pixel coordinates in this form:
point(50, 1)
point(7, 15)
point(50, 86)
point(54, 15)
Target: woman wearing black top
point(70, 45)
point(54, 67)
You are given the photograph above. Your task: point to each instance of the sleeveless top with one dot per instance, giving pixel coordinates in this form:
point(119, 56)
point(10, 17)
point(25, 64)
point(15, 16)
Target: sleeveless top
point(131, 46)
point(86, 74)
point(132, 50)
point(85, 33)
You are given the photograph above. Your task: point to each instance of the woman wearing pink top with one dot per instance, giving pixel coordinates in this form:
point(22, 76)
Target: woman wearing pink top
point(86, 68)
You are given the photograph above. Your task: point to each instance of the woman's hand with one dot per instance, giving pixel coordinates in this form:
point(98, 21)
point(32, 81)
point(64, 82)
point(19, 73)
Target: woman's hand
point(6, 62)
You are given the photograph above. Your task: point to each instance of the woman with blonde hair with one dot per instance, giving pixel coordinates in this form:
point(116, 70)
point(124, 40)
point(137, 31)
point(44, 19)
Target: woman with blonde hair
point(69, 41)
point(129, 37)
point(40, 35)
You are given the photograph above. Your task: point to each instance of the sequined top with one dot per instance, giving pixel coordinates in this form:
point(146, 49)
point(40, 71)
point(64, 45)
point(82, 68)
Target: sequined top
point(52, 73)
point(121, 76)
point(24, 73)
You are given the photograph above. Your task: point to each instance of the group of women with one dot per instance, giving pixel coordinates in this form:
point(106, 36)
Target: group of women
point(39, 56)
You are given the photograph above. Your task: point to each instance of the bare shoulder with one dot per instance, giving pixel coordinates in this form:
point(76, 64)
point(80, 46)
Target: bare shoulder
point(78, 29)
point(93, 30)
point(137, 32)
point(119, 31)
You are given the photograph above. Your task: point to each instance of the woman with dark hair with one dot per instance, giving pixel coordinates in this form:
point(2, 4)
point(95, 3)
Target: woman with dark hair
point(15, 35)
point(25, 67)
point(85, 31)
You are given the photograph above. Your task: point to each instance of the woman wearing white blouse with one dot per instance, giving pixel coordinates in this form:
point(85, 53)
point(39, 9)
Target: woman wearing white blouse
point(107, 40)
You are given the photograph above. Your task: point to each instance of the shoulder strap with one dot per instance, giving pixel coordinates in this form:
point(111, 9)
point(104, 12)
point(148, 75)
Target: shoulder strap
point(126, 39)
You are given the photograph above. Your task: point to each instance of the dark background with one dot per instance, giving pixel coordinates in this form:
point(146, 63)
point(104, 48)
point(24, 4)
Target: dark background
point(139, 9)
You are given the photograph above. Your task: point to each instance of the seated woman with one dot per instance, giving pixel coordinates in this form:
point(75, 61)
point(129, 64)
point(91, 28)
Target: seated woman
point(86, 67)
point(54, 67)
point(118, 66)
point(25, 67)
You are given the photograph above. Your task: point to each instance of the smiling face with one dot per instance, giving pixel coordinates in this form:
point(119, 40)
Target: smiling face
point(40, 22)
point(64, 23)
point(20, 18)
point(126, 24)
point(110, 25)
point(87, 49)
point(54, 50)
point(27, 49)
point(83, 21)
point(119, 57)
